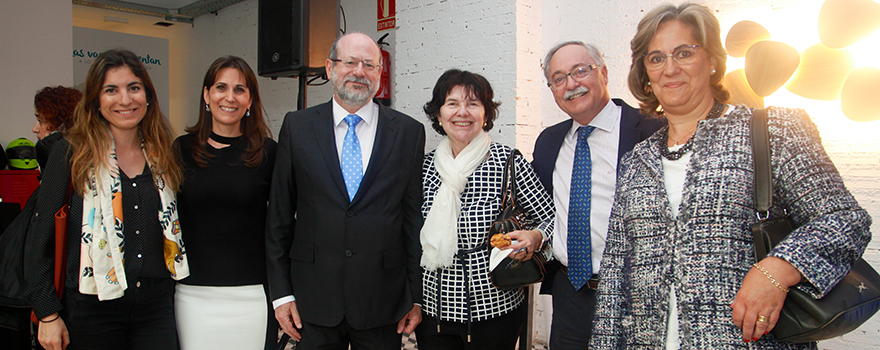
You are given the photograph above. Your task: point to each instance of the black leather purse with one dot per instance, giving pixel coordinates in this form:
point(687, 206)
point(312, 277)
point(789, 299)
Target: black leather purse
point(804, 319)
point(510, 274)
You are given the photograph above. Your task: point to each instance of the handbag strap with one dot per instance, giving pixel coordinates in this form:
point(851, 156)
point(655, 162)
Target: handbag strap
point(760, 137)
point(510, 173)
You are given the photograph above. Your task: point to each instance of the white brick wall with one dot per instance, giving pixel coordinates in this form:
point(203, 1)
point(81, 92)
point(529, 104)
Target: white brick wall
point(474, 35)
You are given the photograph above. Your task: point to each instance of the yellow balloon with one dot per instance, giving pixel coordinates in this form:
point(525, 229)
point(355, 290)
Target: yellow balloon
point(769, 64)
point(822, 72)
point(742, 35)
point(845, 22)
point(858, 100)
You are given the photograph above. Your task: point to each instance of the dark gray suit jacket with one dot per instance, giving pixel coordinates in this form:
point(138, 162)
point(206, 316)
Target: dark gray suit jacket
point(360, 259)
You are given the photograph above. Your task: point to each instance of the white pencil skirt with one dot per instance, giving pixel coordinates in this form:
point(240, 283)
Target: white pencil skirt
point(212, 318)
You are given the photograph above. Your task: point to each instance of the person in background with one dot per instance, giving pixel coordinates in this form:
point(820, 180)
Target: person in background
point(599, 131)
point(679, 269)
point(53, 107)
point(118, 166)
point(228, 158)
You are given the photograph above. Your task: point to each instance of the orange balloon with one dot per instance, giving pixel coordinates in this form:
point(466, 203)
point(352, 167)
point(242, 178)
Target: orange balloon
point(740, 91)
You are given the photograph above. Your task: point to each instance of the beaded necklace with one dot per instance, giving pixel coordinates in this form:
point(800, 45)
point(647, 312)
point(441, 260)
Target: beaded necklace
point(715, 112)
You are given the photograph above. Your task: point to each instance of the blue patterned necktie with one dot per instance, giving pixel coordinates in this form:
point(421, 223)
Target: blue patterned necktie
point(580, 265)
point(352, 166)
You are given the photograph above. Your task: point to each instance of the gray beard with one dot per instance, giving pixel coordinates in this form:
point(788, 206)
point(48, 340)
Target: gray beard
point(353, 96)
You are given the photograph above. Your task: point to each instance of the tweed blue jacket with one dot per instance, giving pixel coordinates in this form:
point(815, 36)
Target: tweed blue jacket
point(707, 250)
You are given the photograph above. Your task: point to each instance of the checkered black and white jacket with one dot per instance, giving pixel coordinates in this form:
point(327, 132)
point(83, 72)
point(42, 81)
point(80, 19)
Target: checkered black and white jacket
point(480, 205)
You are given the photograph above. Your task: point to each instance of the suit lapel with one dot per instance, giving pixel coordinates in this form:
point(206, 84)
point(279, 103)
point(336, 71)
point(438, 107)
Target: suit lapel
point(386, 134)
point(323, 129)
point(556, 135)
point(629, 130)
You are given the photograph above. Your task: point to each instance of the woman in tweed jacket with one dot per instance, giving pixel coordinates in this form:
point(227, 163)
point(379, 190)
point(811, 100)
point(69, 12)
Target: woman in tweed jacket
point(678, 269)
point(462, 196)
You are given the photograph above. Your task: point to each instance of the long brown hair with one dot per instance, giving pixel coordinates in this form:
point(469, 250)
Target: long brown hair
point(90, 135)
point(253, 127)
point(706, 31)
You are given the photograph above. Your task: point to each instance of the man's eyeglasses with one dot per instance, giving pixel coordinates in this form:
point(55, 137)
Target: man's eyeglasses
point(683, 55)
point(369, 66)
point(578, 74)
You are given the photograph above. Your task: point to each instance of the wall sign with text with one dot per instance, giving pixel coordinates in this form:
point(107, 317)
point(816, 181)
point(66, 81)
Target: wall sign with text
point(387, 11)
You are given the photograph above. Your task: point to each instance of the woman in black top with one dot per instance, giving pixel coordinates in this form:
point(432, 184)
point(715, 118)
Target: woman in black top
point(228, 158)
point(124, 243)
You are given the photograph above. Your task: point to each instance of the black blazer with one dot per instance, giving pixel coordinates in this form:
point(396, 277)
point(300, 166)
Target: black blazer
point(357, 260)
point(634, 127)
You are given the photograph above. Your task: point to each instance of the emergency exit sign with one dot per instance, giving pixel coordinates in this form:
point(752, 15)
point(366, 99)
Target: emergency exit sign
point(387, 10)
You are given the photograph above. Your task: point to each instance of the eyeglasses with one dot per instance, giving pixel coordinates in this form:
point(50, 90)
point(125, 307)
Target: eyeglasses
point(578, 74)
point(369, 66)
point(683, 55)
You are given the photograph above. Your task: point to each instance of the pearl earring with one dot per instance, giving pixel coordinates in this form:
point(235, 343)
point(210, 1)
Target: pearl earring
point(439, 122)
point(248, 112)
point(649, 83)
point(713, 72)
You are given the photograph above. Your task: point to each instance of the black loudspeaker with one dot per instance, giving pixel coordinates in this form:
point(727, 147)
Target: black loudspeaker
point(294, 36)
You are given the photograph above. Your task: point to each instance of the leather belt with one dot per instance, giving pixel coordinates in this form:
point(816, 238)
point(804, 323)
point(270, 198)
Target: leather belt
point(592, 283)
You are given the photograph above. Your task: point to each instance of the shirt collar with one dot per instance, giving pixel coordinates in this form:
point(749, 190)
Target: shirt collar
point(607, 120)
point(366, 113)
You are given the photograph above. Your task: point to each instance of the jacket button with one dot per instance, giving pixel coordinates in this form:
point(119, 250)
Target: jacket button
point(349, 213)
point(348, 253)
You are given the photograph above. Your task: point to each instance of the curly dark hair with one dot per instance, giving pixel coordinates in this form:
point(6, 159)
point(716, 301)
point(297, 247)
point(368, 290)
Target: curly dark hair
point(56, 105)
point(474, 84)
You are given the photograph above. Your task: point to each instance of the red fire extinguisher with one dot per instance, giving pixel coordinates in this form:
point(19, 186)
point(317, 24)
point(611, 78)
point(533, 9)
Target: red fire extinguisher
point(384, 94)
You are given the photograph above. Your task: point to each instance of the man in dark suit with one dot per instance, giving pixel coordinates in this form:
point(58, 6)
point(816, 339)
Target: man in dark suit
point(576, 161)
point(342, 241)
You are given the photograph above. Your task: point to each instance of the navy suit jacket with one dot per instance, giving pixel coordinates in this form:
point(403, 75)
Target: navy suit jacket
point(634, 127)
point(358, 259)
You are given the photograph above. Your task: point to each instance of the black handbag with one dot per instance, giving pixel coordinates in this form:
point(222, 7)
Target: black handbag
point(509, 274)
point(804, 319)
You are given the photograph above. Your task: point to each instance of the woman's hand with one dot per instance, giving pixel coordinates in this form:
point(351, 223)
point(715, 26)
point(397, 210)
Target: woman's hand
point(759, 301)
point(531, 240)
point(52, 333)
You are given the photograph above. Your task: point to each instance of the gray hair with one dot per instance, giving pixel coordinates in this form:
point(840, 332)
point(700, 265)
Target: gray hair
point(592, 49)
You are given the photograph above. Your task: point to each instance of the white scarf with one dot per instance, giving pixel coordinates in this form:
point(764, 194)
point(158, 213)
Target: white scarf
point(439, 234)
point(102, 241)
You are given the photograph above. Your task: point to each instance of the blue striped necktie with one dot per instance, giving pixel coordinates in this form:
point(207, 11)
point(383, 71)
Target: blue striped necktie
point(352, 165)
point(580, 266)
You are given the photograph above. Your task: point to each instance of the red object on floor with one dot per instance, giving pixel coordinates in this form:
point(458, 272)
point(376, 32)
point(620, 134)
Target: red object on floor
point(16, 186)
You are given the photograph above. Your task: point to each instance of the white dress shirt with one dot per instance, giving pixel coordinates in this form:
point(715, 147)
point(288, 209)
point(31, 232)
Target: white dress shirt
point(366, 132)
point(604, 142)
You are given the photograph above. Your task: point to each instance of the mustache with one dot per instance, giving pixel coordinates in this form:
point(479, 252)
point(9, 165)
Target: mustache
point(576, 91)
point(359, 80)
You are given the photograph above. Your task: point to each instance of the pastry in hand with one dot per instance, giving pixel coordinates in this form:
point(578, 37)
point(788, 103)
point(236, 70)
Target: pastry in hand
point(499, 240)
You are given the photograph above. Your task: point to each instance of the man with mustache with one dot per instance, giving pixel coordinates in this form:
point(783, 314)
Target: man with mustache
point(342, 240)
point(576, 161)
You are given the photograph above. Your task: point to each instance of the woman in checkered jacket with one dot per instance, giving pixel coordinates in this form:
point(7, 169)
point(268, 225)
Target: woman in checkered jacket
point(462, 196)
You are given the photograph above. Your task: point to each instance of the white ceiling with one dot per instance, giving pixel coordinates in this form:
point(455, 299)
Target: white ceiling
point(171, 10)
